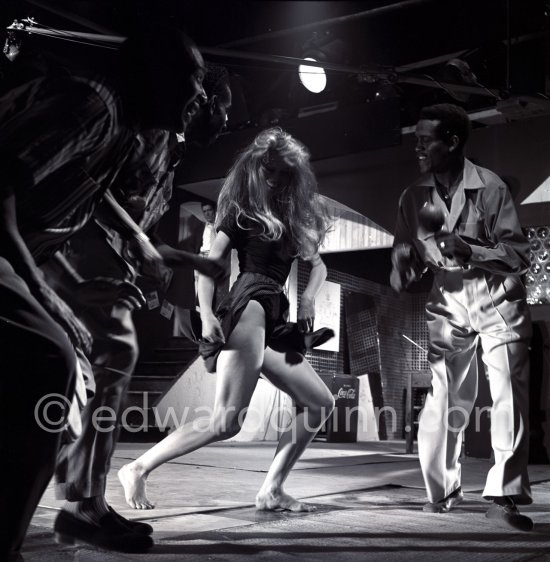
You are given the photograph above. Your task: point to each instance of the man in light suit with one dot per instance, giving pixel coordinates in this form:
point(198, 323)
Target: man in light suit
point(477, 255)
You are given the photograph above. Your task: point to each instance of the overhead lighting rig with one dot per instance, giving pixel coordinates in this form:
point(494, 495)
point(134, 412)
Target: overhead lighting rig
point(31, 26)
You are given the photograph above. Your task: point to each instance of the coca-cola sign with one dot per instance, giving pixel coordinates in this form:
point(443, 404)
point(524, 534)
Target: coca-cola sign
point(344, 392)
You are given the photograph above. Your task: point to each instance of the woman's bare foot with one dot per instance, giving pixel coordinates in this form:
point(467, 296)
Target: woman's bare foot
point(135, 486)
point(277, 500)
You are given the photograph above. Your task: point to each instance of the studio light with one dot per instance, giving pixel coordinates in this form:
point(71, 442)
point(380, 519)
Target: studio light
point(323, 48)
point(313, 78)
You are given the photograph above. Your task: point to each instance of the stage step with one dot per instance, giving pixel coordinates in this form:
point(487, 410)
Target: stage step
point(147, 383)
point(162, 368)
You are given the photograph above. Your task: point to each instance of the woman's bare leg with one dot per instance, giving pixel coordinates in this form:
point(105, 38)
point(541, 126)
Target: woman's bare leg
point(314, 403)
point(238, 369)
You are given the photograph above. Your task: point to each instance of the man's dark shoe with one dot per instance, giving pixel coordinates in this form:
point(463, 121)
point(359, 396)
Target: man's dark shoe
point(446, 504)
point(109, 533)
point(135, 526)
point(509, 516)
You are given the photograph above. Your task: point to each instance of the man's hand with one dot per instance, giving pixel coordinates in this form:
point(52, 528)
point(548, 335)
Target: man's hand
point(211, 267)
point(453, 246)
point(215, 268)
point(105, 291)
point(402, 273)
point(60, 311)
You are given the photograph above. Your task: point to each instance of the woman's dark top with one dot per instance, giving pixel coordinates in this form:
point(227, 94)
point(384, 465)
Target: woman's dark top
point(271, 258)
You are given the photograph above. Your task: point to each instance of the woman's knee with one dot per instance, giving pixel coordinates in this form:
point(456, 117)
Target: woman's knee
point(327, 403)
point(322, 406)
point(225, 425)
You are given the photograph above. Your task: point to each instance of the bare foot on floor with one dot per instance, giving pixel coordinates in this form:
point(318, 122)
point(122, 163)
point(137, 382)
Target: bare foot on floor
point(135, 487)
point(279, 501)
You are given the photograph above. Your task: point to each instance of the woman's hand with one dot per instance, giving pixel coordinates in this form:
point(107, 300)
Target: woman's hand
point(212, 330)
point(306, 314)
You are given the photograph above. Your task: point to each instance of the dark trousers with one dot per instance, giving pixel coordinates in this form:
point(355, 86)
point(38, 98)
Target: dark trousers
point(37, 369)
point(83, 465)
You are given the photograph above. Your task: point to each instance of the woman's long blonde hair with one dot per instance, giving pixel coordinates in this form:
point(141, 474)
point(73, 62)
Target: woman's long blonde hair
point(296, 210)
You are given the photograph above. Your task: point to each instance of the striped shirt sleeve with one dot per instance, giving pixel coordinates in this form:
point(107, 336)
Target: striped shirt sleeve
point(47, 123)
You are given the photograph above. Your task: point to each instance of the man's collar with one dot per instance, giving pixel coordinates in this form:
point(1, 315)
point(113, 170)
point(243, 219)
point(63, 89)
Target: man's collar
point(470, 177)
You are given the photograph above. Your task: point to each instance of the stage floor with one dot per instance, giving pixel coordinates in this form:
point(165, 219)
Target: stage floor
point(369, 498)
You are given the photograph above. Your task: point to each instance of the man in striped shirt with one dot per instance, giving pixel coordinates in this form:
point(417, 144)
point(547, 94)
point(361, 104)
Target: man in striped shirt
point(62, 142)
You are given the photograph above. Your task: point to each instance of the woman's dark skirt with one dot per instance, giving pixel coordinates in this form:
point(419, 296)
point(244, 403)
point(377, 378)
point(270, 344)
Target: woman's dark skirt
point(279, 333)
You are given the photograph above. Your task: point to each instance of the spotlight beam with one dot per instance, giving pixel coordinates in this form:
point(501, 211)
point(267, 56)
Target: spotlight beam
point(71, 16)
point(323, 23)
point(65, 34)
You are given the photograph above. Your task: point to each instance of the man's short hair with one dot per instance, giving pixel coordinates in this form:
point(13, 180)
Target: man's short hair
point(453, 120)
point(216, 80)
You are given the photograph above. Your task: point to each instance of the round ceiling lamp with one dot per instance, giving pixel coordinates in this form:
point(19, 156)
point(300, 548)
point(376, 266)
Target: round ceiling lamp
point(313, 78)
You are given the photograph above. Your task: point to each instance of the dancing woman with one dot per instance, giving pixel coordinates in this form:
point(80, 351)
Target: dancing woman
point(270, 211)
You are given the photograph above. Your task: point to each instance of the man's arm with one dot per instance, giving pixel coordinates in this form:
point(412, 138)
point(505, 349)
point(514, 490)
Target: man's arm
point(509, 253)
point(97, 291)
point(14, 249)
point(210, 266)
point(112, 214)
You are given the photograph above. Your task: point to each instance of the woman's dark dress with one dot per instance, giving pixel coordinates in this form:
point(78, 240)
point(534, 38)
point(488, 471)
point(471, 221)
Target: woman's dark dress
point(264, 267)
